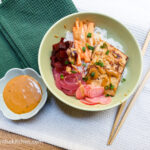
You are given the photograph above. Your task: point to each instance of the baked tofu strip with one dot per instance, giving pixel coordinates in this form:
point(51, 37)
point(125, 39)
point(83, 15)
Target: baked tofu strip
point(110, 62)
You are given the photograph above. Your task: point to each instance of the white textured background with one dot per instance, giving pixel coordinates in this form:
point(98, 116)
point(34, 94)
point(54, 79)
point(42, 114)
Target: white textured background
point(61, 125)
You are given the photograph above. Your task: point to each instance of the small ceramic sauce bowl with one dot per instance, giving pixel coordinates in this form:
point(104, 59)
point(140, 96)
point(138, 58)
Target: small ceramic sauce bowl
point(8, 76)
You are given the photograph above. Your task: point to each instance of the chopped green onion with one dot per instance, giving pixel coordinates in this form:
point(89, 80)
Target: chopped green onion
point(85, 78)
point(62, 76)
point(107, 52)
point(111, 86)
point(83, 49)
point(89, 35)
point(83, 65)
point(104, 45)
point(92, 74)
point(66, 62)
point(100, 64)
point(87, 44)
point(106, 87)
point(123, 80)
point(107, 95)
point(73, 71)
point(90, 47)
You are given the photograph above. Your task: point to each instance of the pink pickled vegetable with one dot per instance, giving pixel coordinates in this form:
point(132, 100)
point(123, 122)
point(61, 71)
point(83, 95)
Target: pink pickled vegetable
point(89, 91)
point(101, 100)
point(80, 93)
point(87, 103)
point(92, 95)
point(69, 84)
point(95, 92)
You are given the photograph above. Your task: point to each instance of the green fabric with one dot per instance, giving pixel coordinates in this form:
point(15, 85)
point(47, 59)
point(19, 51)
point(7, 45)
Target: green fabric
point(23, 23)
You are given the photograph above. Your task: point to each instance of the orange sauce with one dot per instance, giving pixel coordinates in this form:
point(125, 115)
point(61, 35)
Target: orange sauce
point(22, 94)
point(112, 73)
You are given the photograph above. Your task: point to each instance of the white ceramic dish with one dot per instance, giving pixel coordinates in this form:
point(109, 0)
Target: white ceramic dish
point(8, 76)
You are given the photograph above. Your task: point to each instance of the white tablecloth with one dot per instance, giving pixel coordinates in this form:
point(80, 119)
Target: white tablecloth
point(66, 127)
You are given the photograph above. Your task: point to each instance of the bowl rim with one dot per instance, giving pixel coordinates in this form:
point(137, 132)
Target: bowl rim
point(78, 107)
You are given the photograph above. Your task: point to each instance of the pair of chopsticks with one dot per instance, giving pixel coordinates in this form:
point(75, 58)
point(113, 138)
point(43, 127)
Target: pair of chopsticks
point(117, 125)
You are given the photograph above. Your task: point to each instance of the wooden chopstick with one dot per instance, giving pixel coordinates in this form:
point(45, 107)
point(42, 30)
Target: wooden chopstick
point(121, 108)
point(130, 105)
point(124, 103)
point(146, 43)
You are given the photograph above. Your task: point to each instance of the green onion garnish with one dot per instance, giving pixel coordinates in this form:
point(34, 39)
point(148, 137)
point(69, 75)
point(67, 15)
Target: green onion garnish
point(107, 95)
point(123, 80)
point(83, 49)
point(90, 47)
point(99, 63)
point(107, 52)
point(87, 44)
point(66, 62)
point(85, 78)
point(89, 35)
point(73, 71)
point(111, 86)
point(83, 65)
point(104, 45)
point(106, 87)
point(92, 74)
point(62, 76)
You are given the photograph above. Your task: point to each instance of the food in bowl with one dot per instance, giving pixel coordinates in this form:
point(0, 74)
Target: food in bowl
point(88, 65)
point(22, 94)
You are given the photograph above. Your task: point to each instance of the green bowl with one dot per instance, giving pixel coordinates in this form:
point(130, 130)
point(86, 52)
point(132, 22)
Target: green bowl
point(115, 30)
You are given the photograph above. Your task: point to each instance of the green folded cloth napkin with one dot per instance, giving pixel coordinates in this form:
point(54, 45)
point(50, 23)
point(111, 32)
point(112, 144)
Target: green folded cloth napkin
point(23, 23)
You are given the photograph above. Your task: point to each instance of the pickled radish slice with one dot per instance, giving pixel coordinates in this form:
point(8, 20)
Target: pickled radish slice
point(101, 100)
point(89, 91)
point(95, 92)
point(80, 93)
point(87, 103)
